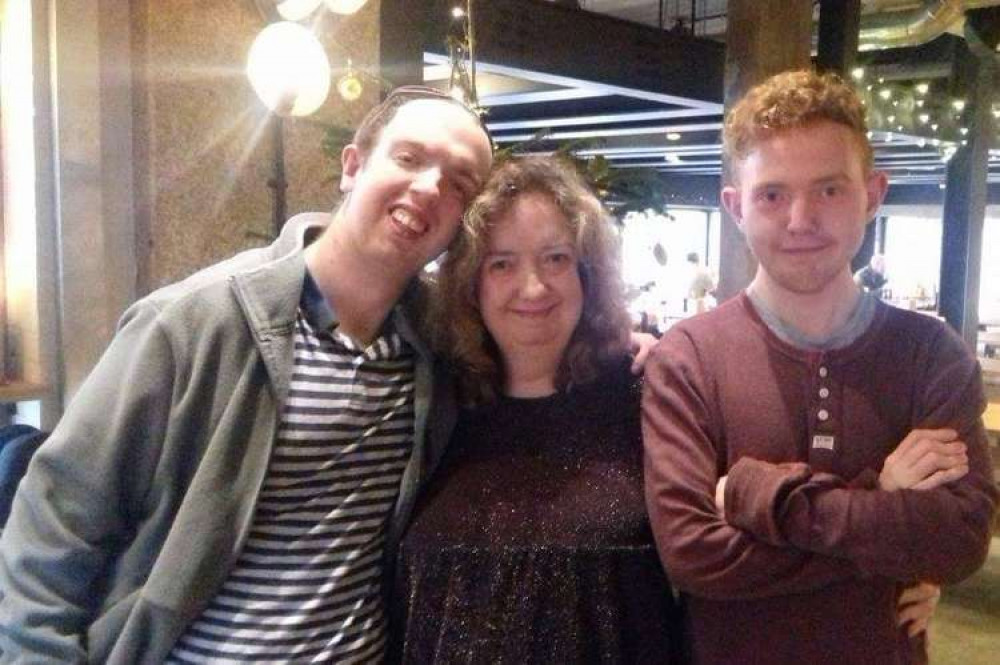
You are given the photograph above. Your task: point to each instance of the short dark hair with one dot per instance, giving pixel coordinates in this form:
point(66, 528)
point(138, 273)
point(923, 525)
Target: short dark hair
point(368, 132)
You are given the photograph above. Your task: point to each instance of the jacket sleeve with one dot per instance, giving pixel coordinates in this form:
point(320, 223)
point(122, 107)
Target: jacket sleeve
point(940, 535)
point(703, 554)
point(83, 491)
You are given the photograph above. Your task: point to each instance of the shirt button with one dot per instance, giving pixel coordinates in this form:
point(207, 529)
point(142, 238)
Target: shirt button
point(823, 372)
point(823, 415)
point(824, 393)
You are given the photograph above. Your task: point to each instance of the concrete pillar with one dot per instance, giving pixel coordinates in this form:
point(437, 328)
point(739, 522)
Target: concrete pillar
point(764, 37)
point(965, 197)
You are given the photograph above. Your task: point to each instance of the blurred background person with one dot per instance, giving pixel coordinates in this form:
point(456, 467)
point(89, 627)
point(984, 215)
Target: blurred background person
point(872, 278)
point(700, 286)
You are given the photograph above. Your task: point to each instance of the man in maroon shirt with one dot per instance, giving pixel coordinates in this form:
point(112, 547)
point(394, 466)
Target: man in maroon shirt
point(810, 451)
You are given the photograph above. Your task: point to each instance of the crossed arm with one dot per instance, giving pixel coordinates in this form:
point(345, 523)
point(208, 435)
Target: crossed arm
point(925, 459)
point(787, 528)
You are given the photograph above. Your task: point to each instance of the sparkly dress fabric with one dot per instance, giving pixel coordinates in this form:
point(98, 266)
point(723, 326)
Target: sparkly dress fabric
point(531, 544)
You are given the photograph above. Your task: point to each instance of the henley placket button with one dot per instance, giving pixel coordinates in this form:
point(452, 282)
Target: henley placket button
point(824, 393)
point(823, 372)
point(823, 415)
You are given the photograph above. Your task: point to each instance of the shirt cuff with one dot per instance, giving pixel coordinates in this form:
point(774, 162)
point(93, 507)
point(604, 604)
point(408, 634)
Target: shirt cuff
point(755, 492)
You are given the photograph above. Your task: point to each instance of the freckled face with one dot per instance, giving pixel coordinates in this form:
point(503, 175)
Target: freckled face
point(530, 293)
point(803, 198)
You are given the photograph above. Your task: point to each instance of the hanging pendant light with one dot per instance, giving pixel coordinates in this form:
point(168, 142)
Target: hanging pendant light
point(344, 6)
point(349, 85)
point(288, 69)
point(296, 10)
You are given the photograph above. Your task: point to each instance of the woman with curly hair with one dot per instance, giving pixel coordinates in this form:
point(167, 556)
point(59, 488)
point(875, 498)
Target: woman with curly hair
point(531, 543)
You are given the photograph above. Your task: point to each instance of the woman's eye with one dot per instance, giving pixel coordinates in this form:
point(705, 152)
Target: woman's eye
point(558, 262)
point(499, 265)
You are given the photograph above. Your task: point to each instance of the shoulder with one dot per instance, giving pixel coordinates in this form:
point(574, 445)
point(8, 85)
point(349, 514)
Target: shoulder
point(260, 283)
point(711, 333)
point(920, 331)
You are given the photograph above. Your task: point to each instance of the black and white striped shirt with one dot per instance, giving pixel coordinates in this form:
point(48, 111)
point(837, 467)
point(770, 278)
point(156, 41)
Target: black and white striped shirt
point(306, 586)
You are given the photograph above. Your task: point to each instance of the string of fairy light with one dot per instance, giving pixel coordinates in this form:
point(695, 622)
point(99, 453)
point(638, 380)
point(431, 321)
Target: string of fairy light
point(920, 109)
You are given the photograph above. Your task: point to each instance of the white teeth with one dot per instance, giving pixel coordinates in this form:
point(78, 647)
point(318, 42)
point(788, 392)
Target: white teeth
point(408, 220)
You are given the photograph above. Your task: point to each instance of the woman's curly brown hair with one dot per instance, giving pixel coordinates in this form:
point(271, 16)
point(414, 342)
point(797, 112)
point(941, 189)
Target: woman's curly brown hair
point(792, 100)
point(459, 332)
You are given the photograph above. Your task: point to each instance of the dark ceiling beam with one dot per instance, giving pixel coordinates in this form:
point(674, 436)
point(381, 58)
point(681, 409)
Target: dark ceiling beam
point(602, 119)
point(544, 37)
point(714, 125)
point(773, 36)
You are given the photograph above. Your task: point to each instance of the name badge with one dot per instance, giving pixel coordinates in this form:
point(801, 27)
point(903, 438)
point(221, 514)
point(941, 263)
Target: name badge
point(823, 441)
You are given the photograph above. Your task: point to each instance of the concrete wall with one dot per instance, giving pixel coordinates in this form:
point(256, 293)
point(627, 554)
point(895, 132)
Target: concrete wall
point(159, 155)
point(204, 152)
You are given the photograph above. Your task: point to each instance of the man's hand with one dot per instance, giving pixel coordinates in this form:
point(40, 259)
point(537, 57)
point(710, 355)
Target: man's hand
point(916, 607)
point(720, 496)
point(640, 344)
point(927, 458)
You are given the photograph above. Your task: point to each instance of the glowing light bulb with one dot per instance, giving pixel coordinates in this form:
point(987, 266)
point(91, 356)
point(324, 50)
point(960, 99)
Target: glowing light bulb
point(288, 69)
point(349, 87)
point(344, 6)
point(296, 10)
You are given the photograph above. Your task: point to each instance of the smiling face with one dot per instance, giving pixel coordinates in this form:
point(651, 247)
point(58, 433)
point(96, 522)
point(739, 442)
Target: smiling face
point(803, 197)
point(406, 198)
point(530, 294)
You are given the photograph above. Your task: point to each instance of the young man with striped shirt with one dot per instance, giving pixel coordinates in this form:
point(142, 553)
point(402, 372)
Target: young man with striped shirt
point(229, 479)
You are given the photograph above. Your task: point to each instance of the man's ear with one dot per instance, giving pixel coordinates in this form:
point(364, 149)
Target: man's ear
point(350, 164)
point(733, 203)
point(876, 186)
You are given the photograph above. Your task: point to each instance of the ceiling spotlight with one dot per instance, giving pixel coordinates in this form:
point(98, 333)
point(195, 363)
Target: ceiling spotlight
point(958, 104)
point(922, 88)
point(457, 12)
point(671, 158)
point(934, 127)
point(924, 118)
point(885, 93)
point(673, 136)
point(920, 103)
point(858, 73)
point(891, 118)
point(964, 130)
